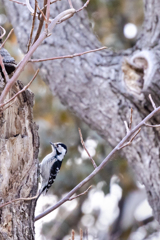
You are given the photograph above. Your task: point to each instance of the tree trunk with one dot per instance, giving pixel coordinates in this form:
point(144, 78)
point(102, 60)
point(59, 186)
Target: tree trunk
point(19, 144)
point(102, 87)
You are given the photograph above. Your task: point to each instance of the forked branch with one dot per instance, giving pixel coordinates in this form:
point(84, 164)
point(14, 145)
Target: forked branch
point(130, 135)
point(21, 66)
point(25, 88)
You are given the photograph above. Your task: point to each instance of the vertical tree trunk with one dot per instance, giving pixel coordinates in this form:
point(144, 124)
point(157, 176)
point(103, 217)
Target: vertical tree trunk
point(101, 88)
point(19, 143)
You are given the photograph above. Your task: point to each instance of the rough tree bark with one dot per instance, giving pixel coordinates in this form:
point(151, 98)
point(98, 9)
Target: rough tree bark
point(19, 144)
point(102, 87)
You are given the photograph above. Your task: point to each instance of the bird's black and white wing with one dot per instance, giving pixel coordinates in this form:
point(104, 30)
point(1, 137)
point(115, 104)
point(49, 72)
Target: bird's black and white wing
point(45, 169)
point(53, 174)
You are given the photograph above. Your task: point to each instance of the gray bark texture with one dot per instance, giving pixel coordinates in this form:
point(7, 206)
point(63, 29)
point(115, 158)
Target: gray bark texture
point(101, 87)
point(19, 144)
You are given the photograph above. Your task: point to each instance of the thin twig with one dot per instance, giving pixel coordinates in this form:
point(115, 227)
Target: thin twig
point(150, 125)
point(24, 4)
point(67, 56)
point(65, 17)
point(31, 51)
point(130, 121)
point(77, 196)
point(84, 6)
point(44, 17)
point(42, 11)
point(82, 142)
point(18, 199)
point(129, 143)
point(27, 86)
point(32, 28)
point(132, 138)
point(153, 104)
point(126, 126)
point(29, 7)
point(6, 38)
point(3, 69)
point(50, 4)
point(47, 15)
point(41, 21)
point(70, 3)
point(4, 32)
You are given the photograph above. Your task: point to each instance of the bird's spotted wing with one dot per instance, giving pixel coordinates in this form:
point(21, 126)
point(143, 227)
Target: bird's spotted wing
point(53, 173)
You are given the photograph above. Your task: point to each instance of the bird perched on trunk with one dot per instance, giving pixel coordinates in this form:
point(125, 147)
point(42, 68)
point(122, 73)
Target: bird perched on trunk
point(50, 166)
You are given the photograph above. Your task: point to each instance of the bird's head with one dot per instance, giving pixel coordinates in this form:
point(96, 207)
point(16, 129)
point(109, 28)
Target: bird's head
point(59, 149)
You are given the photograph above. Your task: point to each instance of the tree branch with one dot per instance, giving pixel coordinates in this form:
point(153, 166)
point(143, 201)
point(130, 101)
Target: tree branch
point(31, 51)
point(27, 86)
point(32, 28)
point(101, 166)
point(24, 4)
point(6, 38)
point(67, 56)
point(77, 196)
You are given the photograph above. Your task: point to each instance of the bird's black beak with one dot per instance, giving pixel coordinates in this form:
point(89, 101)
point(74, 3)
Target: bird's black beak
point(53, 145)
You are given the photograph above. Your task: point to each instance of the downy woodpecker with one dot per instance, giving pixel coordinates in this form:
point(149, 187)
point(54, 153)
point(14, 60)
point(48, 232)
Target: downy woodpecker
point(50, 166)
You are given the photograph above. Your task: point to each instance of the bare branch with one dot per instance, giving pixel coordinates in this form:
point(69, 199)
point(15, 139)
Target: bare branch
point(6, 38)
point(129, 143)
point(67, 56)
point(84, 6)
point(66, 17)
point(47, 15)
point(50, 4)
point(70, 3)
point(70, 199)
point(29, 7)
point(101, 166)
point(32, 28)
point(44, 17)
point(3, 69)
point(18, 199)
point(41, 10)
point(27, 86)
point(32, 49)
point(150, 125)
point(153, 104)
point(82, 142)
point(41, 18)
point(24, 4)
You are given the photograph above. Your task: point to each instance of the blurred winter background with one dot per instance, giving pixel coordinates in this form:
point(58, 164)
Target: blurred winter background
point(116, 206)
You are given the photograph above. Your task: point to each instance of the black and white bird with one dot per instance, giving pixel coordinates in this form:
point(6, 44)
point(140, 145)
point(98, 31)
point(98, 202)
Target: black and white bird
point(50, 166)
